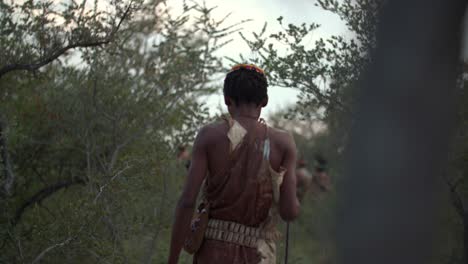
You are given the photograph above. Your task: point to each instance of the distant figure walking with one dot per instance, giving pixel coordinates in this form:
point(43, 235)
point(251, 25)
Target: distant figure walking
point(317, 184)
point(304, 179)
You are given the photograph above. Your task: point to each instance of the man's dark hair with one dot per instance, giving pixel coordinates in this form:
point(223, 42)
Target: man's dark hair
point(245, 86)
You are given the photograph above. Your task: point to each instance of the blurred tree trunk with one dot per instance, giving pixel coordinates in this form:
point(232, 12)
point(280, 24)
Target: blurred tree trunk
point(399, 142)
point(465, 238)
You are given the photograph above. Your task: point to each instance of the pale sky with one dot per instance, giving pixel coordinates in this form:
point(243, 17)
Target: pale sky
point(261, 11)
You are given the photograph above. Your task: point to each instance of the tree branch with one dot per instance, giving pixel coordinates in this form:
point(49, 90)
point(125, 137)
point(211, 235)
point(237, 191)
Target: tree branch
point(455, 196)
point(9, 174)
point(147, 258)
point(61, 244)
point(140, 132)
point(101, 189)
point(45, 251)
point(54, 55)
point(43, 194)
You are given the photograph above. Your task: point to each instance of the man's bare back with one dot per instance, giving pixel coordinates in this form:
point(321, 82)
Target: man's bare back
point(218, 144)
point(282, 154)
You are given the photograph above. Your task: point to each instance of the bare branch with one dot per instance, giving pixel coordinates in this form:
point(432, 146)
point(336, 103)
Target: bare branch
point(117, 240)
point(47, 250)
point(101, 189)
point(83, 5)
point(56, 54)
point(7, 168)
point(101, 260)
point(140, 132)
point(17, 242)
point(115, 154)
point(455, 196)
point(43, 194)
point(160, 216)
point(61, 244)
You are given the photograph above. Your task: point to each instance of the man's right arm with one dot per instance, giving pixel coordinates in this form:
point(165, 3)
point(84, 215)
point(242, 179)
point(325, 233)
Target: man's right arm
point(289, 204)
point(186, 204)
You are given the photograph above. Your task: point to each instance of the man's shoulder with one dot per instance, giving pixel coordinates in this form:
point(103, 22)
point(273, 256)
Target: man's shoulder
point(214, 126)
point(281, 136)
point(214, 130)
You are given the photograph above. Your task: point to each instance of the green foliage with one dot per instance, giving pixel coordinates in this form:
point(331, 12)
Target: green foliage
point(326, 72)
point(92, 140)
point(35, 33)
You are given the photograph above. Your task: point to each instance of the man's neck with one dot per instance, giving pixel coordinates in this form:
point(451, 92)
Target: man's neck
point(246, 113)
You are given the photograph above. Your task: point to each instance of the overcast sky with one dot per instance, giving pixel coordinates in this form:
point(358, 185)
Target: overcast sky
point(261, 11)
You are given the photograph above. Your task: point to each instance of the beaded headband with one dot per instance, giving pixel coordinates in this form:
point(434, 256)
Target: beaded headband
point(250, 67)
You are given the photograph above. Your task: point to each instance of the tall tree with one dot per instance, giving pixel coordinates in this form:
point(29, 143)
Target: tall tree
point(36, 33)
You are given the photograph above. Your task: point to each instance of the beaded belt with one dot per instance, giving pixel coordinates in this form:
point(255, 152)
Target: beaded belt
point(236, 233)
